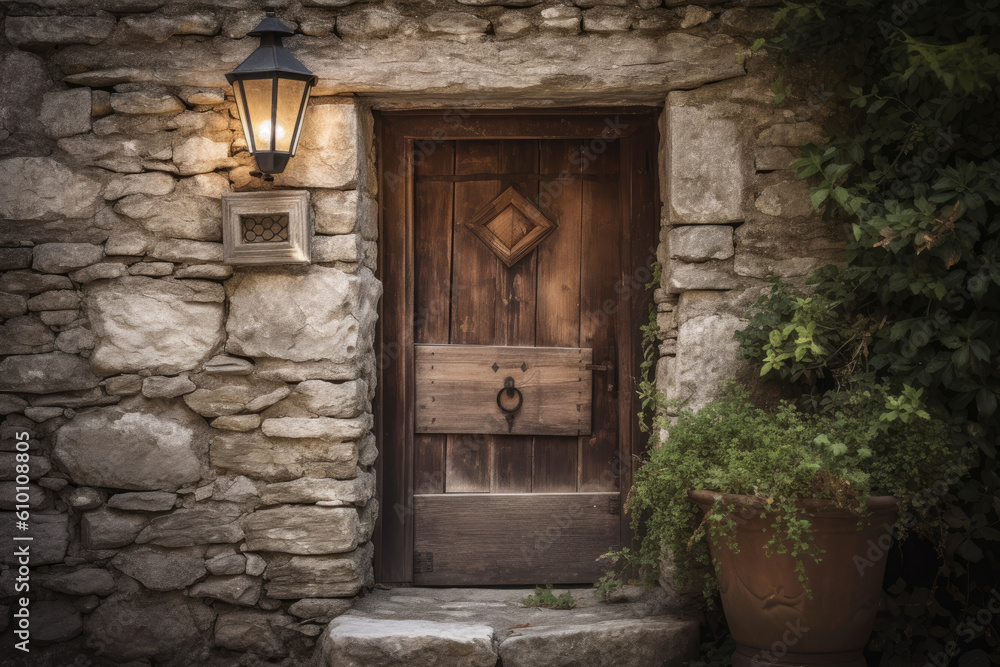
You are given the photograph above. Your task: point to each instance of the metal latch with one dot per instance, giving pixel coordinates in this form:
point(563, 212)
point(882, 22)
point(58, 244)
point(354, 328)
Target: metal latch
point(423, 561)
point(607, 367)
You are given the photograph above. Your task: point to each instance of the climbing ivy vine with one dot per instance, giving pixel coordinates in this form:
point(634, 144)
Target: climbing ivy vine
point(912, 170)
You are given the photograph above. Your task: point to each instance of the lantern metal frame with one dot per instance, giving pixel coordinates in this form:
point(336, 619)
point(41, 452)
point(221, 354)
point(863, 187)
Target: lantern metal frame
point(270, 61)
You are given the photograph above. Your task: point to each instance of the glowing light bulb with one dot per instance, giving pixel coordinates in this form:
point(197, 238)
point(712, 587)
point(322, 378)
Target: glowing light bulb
point(264, 132)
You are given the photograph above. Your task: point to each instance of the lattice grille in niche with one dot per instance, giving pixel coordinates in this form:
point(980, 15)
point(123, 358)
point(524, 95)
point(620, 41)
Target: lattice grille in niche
point(264, 228)
point(273, 227)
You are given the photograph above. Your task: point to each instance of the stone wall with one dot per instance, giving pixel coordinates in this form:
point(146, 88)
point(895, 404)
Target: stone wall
point(200, 439)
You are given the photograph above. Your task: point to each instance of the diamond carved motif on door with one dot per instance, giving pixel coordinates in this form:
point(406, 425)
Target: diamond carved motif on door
point(511, 226)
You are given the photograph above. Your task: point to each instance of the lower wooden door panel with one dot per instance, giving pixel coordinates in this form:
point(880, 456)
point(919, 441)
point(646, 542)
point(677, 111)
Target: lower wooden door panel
point(464, 539)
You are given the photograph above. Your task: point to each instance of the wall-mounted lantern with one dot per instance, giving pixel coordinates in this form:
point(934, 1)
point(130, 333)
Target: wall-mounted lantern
point(271, 89)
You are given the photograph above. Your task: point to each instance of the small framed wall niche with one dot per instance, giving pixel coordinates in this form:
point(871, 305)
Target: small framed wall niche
point(266, 227)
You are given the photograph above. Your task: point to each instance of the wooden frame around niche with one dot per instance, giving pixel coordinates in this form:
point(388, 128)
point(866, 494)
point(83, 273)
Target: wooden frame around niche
point(293, 203)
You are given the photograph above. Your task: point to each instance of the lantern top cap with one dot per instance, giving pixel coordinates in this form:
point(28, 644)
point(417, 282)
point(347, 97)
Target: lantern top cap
point(271, 57)
point(271, 24)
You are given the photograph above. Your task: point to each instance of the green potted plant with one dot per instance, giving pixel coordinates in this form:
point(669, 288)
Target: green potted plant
point(795, 509)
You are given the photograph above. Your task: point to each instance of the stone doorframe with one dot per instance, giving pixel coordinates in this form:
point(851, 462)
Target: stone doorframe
point(732, 216)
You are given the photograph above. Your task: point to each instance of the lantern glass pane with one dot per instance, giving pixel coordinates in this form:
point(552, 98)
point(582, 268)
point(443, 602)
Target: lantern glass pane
point(258, 94)
point(289, 98)
point(238, 92)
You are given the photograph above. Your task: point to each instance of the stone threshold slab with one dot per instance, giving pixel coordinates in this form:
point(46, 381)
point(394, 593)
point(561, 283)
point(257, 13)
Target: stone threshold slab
point(477, 627)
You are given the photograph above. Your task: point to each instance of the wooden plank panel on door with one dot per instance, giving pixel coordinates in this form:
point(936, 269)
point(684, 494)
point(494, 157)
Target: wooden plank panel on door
point(599, 310)
point(511, 467)
point(513, 538)
point(557, 322)
point(474, 296)
point(432, 224)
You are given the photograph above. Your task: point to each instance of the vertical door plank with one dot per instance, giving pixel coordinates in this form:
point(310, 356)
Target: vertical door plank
point(476, 285)
point(396, 330)
point(641, 226)
point(556, 459)
point(516, 317)
point(600, 311)
point(432, 223)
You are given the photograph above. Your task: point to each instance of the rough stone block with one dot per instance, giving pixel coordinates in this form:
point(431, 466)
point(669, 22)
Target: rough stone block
point(294, 577)
point(328, 399)
point(706, 357)
point(792, 135)
point(49, 533)
point(150, 627)
point(202, 155)
point(321, 314)
point(55, 621)
point(325, 428)
point(343, 248)
point(280, 459)
point(328, 152)
point(15, 258)
point(46, 373)
point(104, 271)
point(55, 300)
point(160, 569)
point(336, 211)
point(12, 305)
point(25, 335)
point(85, 581)
point(167, 387)
point(138, 445)
point(154, 183)
point(252, 632)
point(606, 20)
point(771, 158)
point(369, 23)
point(160, 326)
point(710, 275)
point(147, 99)
point(634, 641)
point(144, 501)
point(694, 16)
point(65, 257)
point(706, 181)
point(161, 28)
point(308, 530)
point(355, 641)
point(29, 282)
point(218, 396)
point(179, 250)
point(39, 188)
point(698, 243)
point(786, 199)
point(192, 211)
point(34, 31)
point(237, 589)
point(239, 423)
point(461, 25)
point(561, 19)
point(207, 523)
point(330, 492)
point(66, 112)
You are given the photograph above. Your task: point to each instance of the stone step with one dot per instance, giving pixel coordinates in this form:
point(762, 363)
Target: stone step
point(662, 641)
point(357, 641)
point(415, 627)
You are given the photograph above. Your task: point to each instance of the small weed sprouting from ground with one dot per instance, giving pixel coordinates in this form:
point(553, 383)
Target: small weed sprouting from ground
point(543, 597)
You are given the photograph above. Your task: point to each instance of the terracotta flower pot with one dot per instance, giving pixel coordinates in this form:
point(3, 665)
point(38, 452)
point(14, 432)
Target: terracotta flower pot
point(770, 616)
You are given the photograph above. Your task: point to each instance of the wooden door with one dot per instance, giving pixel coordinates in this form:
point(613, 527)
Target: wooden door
point(510, 239)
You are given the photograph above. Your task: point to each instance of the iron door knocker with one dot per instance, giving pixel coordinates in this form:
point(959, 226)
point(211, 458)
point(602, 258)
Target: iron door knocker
point(508, 386)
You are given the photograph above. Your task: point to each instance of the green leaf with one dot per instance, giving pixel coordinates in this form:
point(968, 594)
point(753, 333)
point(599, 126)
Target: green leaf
point(818, 196)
